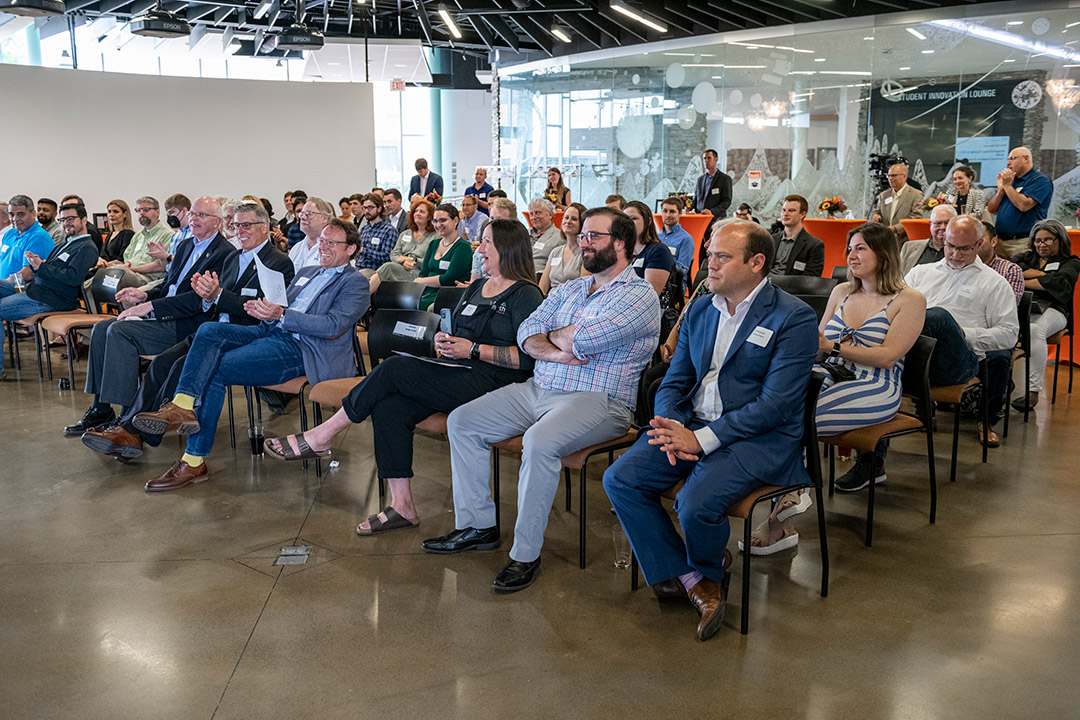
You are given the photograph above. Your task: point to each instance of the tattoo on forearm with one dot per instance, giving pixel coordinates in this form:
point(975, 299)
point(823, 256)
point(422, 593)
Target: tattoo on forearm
point(503, 357)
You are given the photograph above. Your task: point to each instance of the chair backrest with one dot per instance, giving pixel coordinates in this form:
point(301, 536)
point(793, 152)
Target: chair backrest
point(104, 286)
point(411, 331)
point(916, 380)
point(1023, 313)
point(677, 289)
point(397, 296)
point(804, 284)
point(448, 298)
point(839, 272)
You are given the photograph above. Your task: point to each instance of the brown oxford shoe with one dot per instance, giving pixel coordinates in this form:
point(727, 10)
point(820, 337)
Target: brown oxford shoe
point(669, 589)
point(115, 441)
point(708, 597)
point(180, 475)
point(170, 417)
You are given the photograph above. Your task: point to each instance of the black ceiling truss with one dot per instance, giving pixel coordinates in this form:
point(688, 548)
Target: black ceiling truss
point(523, 27)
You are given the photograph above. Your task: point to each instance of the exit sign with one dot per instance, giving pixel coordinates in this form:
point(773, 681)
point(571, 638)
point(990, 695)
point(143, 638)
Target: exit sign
point(397, 85)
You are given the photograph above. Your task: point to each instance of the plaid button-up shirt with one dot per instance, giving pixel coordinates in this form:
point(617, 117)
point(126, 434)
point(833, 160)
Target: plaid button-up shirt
point(616, 329)
point(376, 242)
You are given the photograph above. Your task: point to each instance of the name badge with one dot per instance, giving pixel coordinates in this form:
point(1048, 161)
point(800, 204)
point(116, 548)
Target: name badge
point(639, 262)
point(1052, 266)
point(888, 201)
point(301, 282)
point(249, 292)
point(405, 329)
point(1019, 189)
point(62, 257)
point(468, 310)
point(760, 336)
point(3, 248)
point(798, 266)
point(444, 264)
point(673, 251)
point(557, 260)
point(715, 191)
point(375, 241)
point(110, 282)
point(482, 195)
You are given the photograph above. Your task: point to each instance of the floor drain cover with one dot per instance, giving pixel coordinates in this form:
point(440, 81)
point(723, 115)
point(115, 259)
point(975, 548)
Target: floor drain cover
point(293, 555)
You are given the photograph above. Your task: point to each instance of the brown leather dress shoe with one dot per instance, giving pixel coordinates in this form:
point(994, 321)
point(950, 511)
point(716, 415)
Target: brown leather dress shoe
point(992, 439)
point(708, 598)
point(669, 589)
point(180, 475)
point(115, 441)
point(170, 417)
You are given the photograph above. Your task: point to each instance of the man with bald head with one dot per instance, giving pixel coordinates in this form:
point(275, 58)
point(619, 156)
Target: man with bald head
point(117, 344)
point(970, 310)
point(1022, 199)
point(931, 250)
point(900, 201)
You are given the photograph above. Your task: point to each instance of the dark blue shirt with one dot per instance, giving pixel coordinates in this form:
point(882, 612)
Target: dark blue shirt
point(482, 194)
point(1035, 185)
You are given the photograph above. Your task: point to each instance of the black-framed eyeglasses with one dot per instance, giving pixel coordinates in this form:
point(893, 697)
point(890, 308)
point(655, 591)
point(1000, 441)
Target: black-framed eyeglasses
point(247, 225)
point(593, 235)
point(369, 207)
point(1044, 241)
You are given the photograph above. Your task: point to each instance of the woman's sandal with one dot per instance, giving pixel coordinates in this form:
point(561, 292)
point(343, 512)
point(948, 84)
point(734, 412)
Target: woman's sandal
point(286, 452)
point(761, 535)
point(792, 504)
point(394, 521)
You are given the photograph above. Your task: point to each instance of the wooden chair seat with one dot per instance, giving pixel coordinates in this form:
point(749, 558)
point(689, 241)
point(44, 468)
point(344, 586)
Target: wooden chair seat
point(1056, 338)
point(32, 320)
point(362, 338)
point(866, 439)
point(61, 324)
point(434, 423)
point(951, 393)
point(577, 460)
point(289, 387)
point(333, 392)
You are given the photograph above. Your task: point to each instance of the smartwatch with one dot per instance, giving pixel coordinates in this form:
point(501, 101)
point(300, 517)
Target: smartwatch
point(835, 350)
point(474, 353)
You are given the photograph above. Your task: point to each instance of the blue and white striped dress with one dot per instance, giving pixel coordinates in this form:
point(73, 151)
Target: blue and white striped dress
point(874, 395)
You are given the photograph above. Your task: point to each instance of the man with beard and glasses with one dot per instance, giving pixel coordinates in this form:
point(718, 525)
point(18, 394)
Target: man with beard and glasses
point(590, 338)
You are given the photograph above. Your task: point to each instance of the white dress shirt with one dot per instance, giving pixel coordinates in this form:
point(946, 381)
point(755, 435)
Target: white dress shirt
point(979, 299)
point(708, 405)
point(302, 256)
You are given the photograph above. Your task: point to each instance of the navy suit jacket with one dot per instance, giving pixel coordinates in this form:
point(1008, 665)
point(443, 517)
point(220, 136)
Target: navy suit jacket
point(326, 328)
point(434, 183)
point(187, 309)
point(212, 259)
point(718, 202)
point(763, 387)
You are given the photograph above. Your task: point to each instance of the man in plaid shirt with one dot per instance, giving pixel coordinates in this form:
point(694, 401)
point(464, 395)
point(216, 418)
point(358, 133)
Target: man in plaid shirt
point(377, 238)
point(591, 338)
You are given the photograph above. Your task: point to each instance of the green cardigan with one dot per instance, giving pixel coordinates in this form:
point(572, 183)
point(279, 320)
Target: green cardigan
point(459, 267)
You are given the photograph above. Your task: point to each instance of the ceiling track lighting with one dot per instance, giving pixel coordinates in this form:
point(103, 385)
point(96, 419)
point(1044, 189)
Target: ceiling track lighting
point(450, 25)
point(558, 31)
point(635, 15)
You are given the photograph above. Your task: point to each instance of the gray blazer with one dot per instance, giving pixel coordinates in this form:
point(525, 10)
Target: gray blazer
point(910, 253)
point(326, 328)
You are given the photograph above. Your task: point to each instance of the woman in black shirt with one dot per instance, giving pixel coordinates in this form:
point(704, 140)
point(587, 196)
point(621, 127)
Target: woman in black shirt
point(479, 356)
point(120, 231)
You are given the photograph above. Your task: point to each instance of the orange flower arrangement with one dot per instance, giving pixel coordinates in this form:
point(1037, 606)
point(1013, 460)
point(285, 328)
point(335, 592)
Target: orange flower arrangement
point(832, 205)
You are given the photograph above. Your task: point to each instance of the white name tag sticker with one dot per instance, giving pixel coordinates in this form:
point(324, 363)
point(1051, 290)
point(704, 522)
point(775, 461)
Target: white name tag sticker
point(673, 250)
point(3, 248)
point(1019, 189)
point(1050, 267)
point(249, 292)
point(468, 310)
point(301, 282)
point(639, 262)
point(375, 241)
point(482, 195)
point(405, 329)
point(557, 260)
point(63, 257)
point(760, 336)
point(444, 264)
point(888, 201)
point(715, 191)
point(111, 282)
point(798, 266)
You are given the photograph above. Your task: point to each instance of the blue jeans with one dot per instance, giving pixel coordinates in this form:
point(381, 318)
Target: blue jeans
point(953, 362)
point(223, 354)
point(16, 306)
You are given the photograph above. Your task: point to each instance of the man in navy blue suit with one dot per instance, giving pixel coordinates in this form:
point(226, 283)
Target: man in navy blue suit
point(424, 182)
point(728, 419)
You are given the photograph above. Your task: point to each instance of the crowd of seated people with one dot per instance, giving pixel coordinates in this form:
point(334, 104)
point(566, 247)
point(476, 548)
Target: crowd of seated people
point(556, 328)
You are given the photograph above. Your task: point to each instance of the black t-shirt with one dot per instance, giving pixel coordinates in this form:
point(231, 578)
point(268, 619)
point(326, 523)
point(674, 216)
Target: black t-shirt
point(115, 244)
point(495, 321)
point(656, 256)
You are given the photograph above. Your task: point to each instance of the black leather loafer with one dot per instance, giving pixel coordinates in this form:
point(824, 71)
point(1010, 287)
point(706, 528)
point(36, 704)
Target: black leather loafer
point(92, 420)
point(516, 576)
point(463, 540)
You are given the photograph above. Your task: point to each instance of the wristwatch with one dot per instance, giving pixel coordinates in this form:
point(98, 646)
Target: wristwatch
point(835, 350)
point(474, 353)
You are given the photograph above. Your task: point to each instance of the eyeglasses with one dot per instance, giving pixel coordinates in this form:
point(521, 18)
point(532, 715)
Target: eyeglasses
point(332, 243)
point(73, 218)
point(369, 207)
point(1044, 241)
point(439, 221)
point(247, 225)
point(308, 214)
point(592, 235)
point(142, 210)
point(960, 248)
point(201, 215)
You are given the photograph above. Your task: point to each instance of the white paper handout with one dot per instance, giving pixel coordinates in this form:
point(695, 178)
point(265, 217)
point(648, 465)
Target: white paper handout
point(272, 283)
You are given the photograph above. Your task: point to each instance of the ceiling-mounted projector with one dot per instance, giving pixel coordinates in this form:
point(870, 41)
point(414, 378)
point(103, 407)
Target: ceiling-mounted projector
point(160, 23)
point(299, 37)
point(33, 8)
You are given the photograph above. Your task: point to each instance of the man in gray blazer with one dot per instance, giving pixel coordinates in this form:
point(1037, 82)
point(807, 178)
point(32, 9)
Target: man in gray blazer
point(931, 250)
point(310, 337)
point(395, 214)
point(899, 202)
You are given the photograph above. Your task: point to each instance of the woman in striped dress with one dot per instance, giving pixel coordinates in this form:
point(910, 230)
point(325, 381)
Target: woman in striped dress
point(870, 323)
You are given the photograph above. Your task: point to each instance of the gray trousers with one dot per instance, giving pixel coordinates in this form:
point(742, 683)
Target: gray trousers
point(554, 424)
point(112, 374)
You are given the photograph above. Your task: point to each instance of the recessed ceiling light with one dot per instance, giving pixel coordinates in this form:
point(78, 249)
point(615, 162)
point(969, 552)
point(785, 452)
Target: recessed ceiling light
point(1015, 22)
point(916, 33)
point(1009, 60)
point(640, 18)
point(927, 52)
point(906, 68)
point(819, 59)
point(868, 37)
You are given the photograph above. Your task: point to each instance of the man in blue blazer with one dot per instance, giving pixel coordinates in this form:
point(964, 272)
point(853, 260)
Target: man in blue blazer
point(424, 182)
point(312, 337)
point(728, 420)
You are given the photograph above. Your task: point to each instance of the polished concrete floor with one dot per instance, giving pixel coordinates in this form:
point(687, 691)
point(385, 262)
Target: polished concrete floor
point(120, 604)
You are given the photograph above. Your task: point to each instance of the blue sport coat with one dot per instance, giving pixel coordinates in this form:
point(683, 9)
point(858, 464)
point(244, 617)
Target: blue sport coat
point(762, 383)
point(434, 184)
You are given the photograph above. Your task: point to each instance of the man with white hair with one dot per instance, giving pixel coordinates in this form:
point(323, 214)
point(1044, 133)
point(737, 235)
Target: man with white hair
point(546, 237)
point(931, 250)
point(1022, 199)
point(314, 216)
point(898, 202)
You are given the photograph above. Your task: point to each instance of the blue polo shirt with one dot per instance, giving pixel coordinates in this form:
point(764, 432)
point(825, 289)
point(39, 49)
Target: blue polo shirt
point(482, 194)
point(1035, 185)
point(14, 244)
point(681, 244)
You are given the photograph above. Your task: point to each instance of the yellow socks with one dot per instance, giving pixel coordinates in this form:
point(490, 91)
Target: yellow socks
point(192, 460)
point(185, 402)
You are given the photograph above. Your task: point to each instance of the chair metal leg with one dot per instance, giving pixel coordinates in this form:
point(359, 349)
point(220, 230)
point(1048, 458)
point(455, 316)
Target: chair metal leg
point(832, 470)
point(985, 406)
point(303, 419)
point(955, 442)
point(566, 478)
point(933, 473)
point(824, 543)
point(633, 571)
point(744, 614)
point(495, 488)
point(1027, 386)
point(870, 504)
point(251, 418)
point(1071, 363)
point(316, 414)
point(1057, 361)
point(71, 347)
point(232, 418)
point(581, 511)
point(37, 348)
